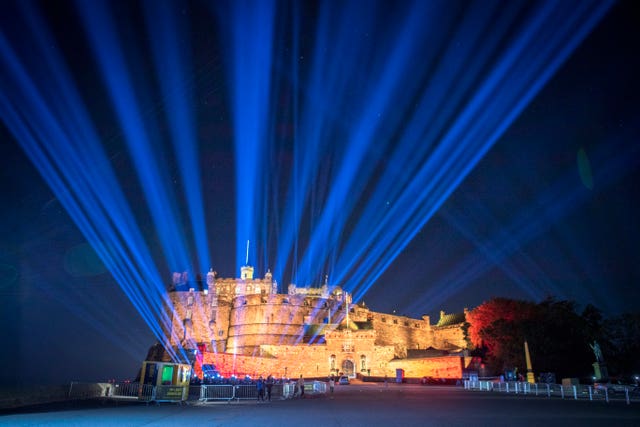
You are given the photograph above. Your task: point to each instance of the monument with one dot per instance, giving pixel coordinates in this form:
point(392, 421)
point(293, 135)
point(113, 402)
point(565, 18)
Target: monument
point(530, 376)
point(599, 366)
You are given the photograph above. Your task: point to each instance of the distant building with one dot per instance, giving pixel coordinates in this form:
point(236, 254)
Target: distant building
point(245, 327)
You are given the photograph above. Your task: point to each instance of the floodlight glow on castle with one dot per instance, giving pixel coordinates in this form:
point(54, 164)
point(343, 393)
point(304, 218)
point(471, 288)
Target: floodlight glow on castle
point(384, 131)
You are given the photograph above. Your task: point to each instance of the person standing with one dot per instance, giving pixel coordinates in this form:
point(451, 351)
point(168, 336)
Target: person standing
point(269, 384)
point(260, 387)
point(301, 386)
point(332, 385)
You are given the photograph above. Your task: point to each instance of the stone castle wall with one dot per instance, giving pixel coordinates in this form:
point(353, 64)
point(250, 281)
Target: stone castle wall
point(242, 323)
point(436, 367)
point(316, 361)
point(243, 326)
point(449, 337)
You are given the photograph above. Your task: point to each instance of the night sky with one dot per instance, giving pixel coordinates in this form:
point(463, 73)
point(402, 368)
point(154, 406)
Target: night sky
point(551, 210)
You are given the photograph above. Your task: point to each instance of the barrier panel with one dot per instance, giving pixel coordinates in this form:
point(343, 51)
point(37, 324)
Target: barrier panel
point(146, 392)
point(118, 391)
point(246, 391)
point(574, 392)
point(288, 390)
point(217, 392)
point(318, 387)
point(128, 390)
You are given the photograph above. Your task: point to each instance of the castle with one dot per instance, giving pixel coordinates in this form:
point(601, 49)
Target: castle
point(245, 327)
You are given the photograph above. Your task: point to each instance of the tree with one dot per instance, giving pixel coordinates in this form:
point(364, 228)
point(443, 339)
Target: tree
point(557, 335)
point(622, 346)
point(495, 328)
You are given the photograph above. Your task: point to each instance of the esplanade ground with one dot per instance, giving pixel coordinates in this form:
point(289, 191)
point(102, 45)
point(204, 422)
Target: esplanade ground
point(356, 404)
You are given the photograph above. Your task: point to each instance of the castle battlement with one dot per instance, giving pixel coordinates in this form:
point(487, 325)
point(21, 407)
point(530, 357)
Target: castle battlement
point(247, 317)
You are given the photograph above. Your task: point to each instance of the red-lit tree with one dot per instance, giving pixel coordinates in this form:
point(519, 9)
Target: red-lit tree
point(495, 327)
point(558, 337)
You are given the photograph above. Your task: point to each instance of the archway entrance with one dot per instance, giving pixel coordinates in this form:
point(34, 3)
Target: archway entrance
point(348, 368)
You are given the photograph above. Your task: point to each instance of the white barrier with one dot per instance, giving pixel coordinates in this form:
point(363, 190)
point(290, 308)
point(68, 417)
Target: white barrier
point(575, 392)
point(216, 392)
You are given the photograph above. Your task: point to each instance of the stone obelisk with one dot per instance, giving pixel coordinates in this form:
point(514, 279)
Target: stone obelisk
point(530, 377)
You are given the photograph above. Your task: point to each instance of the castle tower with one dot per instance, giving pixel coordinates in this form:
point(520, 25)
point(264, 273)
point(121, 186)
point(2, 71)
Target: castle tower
point(211, 278)
point(246, 272)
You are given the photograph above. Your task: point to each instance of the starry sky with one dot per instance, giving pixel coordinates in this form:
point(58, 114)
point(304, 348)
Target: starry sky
point(550, 210)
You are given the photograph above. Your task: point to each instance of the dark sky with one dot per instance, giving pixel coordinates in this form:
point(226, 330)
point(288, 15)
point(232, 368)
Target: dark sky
point(551, 209)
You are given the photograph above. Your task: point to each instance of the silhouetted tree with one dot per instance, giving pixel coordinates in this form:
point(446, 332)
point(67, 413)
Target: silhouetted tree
point(622, 346)
point(558, 336)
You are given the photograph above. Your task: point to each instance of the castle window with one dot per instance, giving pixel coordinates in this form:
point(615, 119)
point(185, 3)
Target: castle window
point(395, 321)
point(221, 332)
point(190, 300)
point(347, 347)
point(332, 362)
point(406, 323)
point(285, 301)
point(214, 314)
point(363, 362)
point(189, 314)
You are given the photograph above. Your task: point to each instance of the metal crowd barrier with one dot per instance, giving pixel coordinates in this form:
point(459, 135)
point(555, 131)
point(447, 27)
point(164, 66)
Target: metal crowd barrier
point(288, 390)
point(574, 392)
point(146, 392)
point(120, 391)
point(246, 391)
point(203, 393)
point(318, 387)
point(216, 392)
point(132, 391)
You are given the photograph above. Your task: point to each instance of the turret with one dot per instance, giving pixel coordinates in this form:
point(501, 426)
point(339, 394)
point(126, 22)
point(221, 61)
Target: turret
point(246, 272)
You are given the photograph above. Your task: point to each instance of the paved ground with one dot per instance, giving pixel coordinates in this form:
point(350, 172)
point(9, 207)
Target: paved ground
point(352, 405)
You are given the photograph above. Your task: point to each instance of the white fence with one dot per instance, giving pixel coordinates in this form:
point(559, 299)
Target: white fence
point(226, 392)
point(555, 390)
point(202, 393)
